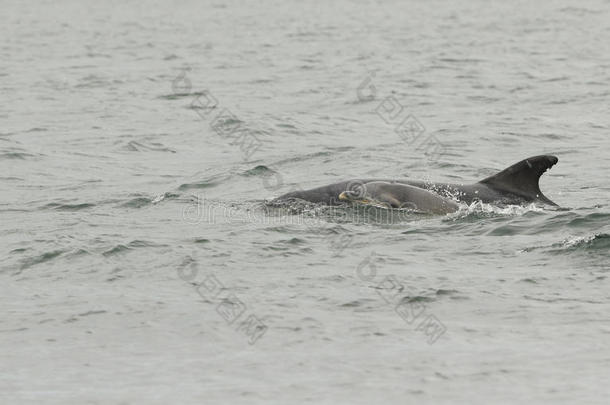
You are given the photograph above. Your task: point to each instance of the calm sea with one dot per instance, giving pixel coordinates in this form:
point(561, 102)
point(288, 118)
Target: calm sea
point(140, 141)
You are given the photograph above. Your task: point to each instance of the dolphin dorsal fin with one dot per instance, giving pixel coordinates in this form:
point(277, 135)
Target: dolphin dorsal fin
point(522, 178)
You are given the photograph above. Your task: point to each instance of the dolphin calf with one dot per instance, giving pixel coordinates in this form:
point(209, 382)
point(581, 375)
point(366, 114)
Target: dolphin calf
point(396, 195)
point(516, 184)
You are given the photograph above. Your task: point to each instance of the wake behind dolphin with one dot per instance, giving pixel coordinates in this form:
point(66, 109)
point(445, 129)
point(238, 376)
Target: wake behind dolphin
point(517, 184)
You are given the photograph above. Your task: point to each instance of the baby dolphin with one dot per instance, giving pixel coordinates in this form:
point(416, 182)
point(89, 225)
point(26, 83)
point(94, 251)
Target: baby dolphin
point(397, 195)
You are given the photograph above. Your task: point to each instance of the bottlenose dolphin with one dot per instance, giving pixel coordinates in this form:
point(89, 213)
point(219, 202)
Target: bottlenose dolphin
point(396, 195)
point(516, 184)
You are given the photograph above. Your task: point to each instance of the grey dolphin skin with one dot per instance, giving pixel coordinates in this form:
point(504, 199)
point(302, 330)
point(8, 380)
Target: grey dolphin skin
point(396, 195)
point(516, 184)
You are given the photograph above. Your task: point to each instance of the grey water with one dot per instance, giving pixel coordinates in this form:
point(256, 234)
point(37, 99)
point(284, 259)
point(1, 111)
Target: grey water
point(141, 143)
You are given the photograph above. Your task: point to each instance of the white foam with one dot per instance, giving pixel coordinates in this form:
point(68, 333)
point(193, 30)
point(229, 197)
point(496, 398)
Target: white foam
point(577, 240)
point(479, 207)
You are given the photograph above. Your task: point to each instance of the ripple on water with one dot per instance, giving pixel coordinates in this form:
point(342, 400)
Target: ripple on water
point(258, 171)
point(41, 258)
point(68, 207)
point(16, 155)
point(593, 243)
point(584, 221)
point(134, 146)
point(137, 202)
point(416, 298)
point(210, 181)
point(142, 201)
point(122, 248)
point(289, 247)
point(597, 243)
point(181, 95)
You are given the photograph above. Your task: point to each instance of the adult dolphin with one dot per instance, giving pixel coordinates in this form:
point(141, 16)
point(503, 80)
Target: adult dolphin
point(516, 184)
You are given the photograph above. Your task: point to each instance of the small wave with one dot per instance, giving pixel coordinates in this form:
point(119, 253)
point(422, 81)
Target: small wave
point(288, 247)
point(137, 202)
point(416, 298)
point(442, 291)
point(284, 125)
point(579, 11)
point(141, 201)
point(205, 180)
point(78, 252)
point(358, 303)
point(584, 221)
point(122, 248)
point(591, 242)
point(461, 60)
point(178, 96)
point(226, 121)
point(94, 81)
point(259, 170)
point(304, 157)
point(134, 146)
point(293, 241)
point(286, 251)
point(37, 129)
point(93, 312)
point(116, 250)
point(198, 184)
point(16, 155)
point(44, 257)
point(68, 207)
point(162, 197)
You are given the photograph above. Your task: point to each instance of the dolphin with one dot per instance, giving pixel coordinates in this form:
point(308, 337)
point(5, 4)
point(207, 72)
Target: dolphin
point(396, 195)
point(517, 184)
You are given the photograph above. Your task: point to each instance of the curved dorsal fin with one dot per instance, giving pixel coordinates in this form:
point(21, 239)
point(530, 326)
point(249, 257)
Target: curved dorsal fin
point(522, 178)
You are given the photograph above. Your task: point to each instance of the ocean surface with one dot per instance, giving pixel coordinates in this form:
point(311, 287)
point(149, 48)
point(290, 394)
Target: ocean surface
point(141, 261)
